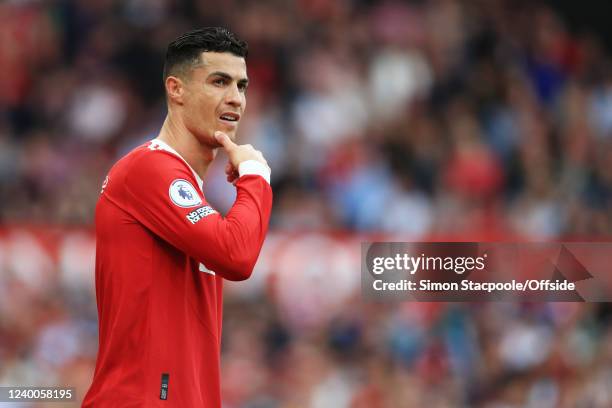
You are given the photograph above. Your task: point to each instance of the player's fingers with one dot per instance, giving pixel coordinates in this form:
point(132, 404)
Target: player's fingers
point(225, 141)
point(233, 176)
point(229, 168)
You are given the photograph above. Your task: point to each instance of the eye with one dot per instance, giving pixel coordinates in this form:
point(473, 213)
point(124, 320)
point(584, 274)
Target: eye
point(220, 81)
point(242, 87)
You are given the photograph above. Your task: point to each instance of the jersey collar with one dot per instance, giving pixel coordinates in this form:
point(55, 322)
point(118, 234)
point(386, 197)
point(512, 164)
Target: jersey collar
point(164, 146)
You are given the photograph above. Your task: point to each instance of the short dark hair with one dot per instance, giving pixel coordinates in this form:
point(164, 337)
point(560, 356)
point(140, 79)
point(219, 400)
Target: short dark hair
point(184, 52)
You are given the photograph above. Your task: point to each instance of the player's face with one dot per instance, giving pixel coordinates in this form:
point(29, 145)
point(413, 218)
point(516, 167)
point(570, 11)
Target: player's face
point(215, 96)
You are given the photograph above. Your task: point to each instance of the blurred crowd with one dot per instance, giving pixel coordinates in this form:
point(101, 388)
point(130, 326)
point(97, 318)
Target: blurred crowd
point(484, 119)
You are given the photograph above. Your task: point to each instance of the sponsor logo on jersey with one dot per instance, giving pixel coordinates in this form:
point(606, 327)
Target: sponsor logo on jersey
point(184, 194)
point(199, 213)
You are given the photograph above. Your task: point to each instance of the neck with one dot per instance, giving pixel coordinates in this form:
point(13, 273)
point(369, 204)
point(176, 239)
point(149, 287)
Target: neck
point(175, 134)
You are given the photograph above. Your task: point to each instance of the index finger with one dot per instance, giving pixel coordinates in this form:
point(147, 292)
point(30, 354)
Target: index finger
point(225, 140)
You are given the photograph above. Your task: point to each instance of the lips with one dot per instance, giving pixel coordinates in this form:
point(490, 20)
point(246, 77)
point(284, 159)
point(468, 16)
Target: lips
point(231, 117)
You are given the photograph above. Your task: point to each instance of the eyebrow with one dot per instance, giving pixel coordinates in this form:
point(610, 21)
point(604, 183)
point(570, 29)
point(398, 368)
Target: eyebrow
point(243, 81)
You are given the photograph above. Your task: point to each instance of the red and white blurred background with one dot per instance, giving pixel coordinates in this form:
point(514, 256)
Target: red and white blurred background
point(405, 120)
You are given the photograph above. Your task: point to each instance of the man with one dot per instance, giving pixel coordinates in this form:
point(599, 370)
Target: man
point(162, 252)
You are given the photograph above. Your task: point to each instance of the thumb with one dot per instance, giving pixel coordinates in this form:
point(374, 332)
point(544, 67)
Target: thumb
point(224, 140)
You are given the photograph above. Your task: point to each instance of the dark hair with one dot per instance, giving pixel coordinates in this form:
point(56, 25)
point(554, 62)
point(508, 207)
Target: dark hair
point(185, 51)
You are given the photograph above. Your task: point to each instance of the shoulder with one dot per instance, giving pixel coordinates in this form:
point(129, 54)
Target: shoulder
point(147, 165)
point(150, 158)
point(147, 159)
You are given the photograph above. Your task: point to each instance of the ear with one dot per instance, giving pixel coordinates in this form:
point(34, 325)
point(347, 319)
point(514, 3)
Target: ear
point(175, 89)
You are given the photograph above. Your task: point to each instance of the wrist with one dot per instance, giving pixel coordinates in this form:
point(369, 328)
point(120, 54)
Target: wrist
point(254, 167)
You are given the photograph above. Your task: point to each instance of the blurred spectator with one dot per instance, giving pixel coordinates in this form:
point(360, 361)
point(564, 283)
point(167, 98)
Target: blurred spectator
point(484, 118)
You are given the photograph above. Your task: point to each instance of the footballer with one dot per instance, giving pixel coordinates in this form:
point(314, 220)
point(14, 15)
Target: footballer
point(162, 252)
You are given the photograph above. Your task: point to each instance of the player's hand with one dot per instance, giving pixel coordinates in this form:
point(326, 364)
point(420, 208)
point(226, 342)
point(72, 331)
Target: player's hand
point(231, 172)
point(238, 153)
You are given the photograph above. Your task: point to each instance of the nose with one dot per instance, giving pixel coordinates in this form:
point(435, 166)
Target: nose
point(233, 96)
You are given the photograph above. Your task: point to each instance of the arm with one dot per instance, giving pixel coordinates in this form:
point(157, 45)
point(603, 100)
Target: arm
point(229, 246)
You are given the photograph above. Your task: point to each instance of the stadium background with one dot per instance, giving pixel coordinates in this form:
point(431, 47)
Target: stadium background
point(416, 120)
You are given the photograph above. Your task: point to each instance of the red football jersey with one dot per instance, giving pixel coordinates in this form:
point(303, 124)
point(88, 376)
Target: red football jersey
point(161, 256)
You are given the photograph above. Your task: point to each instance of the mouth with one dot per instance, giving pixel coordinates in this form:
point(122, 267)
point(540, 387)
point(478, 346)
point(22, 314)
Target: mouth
point(230, 118)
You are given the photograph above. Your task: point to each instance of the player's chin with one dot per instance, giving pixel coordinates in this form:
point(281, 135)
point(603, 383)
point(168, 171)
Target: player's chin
point(231, 132)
